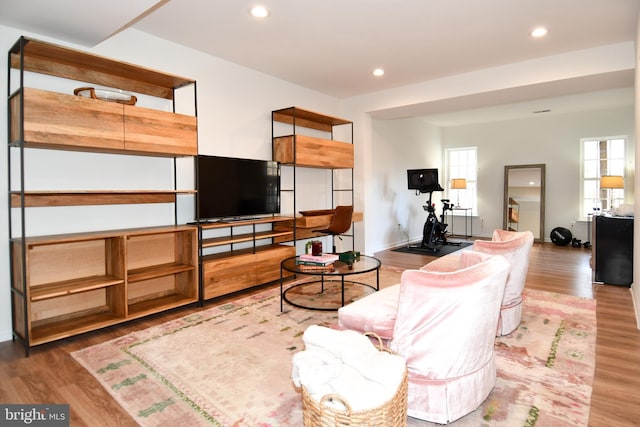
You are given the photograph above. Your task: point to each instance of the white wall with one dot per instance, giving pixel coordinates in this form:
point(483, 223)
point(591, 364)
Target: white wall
point(234, 119)
point(398, 145)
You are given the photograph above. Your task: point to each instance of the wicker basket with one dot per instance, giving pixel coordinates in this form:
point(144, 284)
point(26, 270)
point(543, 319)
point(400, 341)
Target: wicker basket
point(392, 413)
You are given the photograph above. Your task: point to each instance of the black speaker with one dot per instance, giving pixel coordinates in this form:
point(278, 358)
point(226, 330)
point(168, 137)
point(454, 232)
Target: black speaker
point(561, 236)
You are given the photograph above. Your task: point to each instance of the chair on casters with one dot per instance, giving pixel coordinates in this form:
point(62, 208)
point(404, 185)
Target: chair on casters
point(340, 223)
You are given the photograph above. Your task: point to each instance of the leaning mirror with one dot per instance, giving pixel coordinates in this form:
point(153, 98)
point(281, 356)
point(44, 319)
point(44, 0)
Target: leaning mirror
point(524, 199)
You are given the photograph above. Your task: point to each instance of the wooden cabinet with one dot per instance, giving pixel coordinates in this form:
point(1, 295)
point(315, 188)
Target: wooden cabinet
point(306, 139)
point(313, 152)
point(244, 254)
point(61, 121)
point(68, 284)
point(612, 250)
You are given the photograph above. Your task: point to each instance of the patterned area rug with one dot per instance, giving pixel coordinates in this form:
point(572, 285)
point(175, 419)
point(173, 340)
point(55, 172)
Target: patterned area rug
point(230, 365)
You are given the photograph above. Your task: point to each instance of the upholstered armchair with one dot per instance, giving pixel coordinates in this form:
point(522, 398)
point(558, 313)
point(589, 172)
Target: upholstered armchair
point(443, 324)
point(516, 248)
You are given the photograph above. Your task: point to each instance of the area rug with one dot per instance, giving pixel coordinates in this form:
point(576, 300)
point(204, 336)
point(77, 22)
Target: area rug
point(437, 251)
point(230, 365)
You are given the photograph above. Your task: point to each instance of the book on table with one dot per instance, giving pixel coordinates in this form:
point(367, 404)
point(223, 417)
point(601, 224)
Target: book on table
point(324, 259)
point(319, 268)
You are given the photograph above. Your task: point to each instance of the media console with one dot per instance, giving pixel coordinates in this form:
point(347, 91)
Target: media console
point(240, 254)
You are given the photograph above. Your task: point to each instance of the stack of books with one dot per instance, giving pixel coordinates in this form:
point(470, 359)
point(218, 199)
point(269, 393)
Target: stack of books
point(322, 262)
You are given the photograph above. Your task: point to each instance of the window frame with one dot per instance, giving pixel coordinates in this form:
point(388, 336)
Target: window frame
point(598, 198)
point(469, 171)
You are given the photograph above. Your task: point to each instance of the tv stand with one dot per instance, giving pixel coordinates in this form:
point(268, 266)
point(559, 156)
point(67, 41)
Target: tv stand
point(237, 254)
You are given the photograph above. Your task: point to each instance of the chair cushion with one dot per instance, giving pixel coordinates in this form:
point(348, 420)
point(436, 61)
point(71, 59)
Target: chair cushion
point(374, 313)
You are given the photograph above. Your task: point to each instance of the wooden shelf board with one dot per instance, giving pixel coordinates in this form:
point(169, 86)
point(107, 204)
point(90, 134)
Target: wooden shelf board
point(94, 197)
point(69, 326)
point(146, 273)
point(243, 222)
point(308, 118)
point(103, 234)
point(55, 60)
point(156, 305)
point(240, 238)
point(74, 286)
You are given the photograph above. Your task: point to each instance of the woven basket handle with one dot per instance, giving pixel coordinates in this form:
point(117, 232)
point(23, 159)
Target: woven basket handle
point(330, 397)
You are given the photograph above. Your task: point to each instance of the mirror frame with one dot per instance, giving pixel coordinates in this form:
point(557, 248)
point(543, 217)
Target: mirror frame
point(505, 207)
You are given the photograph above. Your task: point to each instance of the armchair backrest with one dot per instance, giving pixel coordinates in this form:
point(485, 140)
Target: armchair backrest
point(515, 246)
point(446, 321)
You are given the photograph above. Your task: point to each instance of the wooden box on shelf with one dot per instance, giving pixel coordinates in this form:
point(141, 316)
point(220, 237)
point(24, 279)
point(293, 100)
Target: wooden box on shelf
point(313, 152)
point(63, 121)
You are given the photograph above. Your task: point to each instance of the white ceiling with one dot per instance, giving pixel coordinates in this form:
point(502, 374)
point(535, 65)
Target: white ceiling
point(331, 46)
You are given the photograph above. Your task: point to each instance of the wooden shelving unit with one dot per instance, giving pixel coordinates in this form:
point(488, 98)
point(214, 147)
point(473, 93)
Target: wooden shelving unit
point(296, 149)
point(63, 285)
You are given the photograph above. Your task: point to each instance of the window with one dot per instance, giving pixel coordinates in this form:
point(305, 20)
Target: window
point(462, 163)
point(601, 157)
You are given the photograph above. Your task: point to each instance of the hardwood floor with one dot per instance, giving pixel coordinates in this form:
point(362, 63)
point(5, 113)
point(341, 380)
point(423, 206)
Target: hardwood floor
point(50, 375)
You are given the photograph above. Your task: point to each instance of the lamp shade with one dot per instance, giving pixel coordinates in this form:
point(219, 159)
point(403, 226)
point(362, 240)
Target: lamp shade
point(458, 183)
point(611, 181)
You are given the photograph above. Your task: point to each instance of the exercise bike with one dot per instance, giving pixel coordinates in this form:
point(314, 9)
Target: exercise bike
point(434, 232)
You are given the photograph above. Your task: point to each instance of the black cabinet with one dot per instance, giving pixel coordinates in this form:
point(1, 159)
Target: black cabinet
point(613, 250)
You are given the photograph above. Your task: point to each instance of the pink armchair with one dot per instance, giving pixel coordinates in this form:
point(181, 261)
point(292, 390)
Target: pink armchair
point(443, 324)
point(516, 248)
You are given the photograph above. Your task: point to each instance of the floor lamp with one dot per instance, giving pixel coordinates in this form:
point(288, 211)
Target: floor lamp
point(611, 182)
point(458, 184)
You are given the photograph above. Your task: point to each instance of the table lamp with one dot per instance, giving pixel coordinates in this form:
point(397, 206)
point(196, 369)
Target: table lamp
point(458, 184)
point(611, 182)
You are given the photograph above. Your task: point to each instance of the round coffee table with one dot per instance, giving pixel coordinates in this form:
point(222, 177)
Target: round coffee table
point(362, 264)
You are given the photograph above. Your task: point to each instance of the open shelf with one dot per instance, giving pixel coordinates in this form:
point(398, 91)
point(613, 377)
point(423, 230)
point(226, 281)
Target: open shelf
point(147, 273)
point(48, 58)
point(165, 302)
point(74, 286)
point(93, 197)
point(247, 237)
point(70, 326)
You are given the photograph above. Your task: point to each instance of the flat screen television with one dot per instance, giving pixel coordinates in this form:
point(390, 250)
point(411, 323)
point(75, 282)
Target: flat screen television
point(230, 188)
point(423, 180)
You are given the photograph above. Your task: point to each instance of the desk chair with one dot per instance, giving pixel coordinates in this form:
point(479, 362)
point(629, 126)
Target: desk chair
point(340, 223)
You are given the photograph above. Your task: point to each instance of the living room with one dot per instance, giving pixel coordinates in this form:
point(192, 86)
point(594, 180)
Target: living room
point(235, 102)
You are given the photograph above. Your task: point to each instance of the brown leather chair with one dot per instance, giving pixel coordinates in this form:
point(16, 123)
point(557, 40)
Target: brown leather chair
point(340, 222)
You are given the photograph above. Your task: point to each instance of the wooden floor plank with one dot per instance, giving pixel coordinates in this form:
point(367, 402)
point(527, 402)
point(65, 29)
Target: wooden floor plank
point(50, 375)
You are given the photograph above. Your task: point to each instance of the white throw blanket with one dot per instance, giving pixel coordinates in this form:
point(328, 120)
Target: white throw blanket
point(346, 363)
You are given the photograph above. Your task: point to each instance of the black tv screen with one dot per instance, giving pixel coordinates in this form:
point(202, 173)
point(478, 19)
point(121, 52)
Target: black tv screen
point(232, 187)
point(423, 180)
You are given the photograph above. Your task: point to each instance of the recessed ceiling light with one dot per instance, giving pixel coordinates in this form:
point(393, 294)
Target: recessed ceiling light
point(539, 32)
point(259, 12)
point(378, 72)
